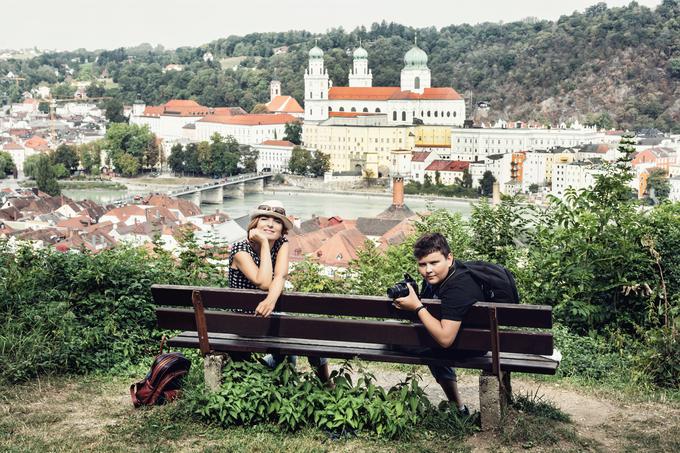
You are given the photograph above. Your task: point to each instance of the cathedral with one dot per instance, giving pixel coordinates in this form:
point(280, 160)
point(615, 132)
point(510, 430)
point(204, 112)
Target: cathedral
point(408, 103)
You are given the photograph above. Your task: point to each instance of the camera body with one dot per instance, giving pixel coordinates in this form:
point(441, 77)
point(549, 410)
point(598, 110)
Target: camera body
point(401, 288)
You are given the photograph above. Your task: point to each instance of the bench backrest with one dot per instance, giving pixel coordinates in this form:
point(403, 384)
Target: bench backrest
point(333, 317)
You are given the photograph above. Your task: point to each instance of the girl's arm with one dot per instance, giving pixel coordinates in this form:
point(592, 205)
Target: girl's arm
point(259, 276)
point(266, 307)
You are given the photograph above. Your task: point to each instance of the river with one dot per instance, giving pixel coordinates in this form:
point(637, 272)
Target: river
point(301, 204)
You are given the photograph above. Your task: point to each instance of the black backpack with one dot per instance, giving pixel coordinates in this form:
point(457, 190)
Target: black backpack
point(497, 282)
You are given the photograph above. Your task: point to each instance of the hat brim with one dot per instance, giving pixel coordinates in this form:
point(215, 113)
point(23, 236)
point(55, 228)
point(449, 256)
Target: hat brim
point(260, 213)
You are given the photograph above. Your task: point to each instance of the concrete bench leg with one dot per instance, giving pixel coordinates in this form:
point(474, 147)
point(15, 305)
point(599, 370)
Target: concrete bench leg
point(492, 399)
point(212, 371)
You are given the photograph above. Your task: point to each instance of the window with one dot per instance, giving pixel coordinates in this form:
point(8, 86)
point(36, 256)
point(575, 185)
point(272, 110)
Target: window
point(436, 114)
point(394, 116)
point(311, 95)
point(403, 116)
point(354, 109)
point(377, 110)
point(454, 114)
point(365, 110)
point(342, 109)
point(416, 83)
point(428, 114)
point(448, 114)
point(330, 109)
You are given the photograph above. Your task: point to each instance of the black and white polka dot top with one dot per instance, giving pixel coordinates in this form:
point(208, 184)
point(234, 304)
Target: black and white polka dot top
point(237, 279)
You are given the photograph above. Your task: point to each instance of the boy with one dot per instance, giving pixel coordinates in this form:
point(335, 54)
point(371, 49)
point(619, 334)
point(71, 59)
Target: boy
point(445, 279)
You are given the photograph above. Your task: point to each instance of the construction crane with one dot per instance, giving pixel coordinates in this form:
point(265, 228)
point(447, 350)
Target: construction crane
point(52, 104)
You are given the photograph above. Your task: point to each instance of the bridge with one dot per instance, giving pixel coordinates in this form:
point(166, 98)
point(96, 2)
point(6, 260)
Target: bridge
point(213, 192)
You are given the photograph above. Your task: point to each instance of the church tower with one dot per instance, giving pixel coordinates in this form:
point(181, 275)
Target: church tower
point(360, 75)
point(274, 89)
point(416, 75)
point(316, 87)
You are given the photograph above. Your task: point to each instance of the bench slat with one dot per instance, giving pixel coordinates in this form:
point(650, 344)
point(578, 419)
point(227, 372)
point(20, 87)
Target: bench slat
point(364, 351)
point(350, 330)
point(533, 316)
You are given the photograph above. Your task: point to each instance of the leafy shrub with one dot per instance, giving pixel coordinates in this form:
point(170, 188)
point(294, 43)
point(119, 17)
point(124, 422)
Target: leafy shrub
point(658, 361)
point(78, 312)
point(589, 357)
point(253, 394)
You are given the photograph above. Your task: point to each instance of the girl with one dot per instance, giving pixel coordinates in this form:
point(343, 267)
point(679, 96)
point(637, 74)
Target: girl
point(261, 262)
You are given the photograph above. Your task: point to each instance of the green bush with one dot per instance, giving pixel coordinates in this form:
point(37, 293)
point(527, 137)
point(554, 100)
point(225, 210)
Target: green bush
point(253, 394)
point(78, 312)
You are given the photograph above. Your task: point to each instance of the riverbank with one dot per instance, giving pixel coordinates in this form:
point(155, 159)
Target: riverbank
point(67, 184)
point(385, 194)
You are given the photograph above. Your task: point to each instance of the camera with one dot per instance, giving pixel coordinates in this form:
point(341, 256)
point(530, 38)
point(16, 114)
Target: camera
point(401, 288)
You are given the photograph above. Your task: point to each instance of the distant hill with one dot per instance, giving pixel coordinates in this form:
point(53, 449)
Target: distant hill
point(615, 67)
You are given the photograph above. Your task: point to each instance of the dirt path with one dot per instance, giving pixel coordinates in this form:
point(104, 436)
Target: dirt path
point(83, 413)
point(611, 425)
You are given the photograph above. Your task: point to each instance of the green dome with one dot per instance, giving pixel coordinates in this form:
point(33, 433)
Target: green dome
point(360, 53)
point(316, 52)
point(415, 58)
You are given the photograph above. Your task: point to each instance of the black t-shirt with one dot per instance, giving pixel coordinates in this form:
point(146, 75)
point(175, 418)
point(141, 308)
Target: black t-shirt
point(457, 292)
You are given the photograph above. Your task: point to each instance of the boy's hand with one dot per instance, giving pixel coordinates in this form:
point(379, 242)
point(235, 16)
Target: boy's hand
point(410, 302)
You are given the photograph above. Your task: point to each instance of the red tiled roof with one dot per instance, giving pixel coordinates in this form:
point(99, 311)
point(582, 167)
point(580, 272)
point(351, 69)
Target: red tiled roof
point(250, 119)
point(388, 93)
point(419, 156)
point(35, 142)
point(448, 165)
point(228, 111)
point(8, 146)
point(182, 103)
point(432, 145)
point(285, 143)
point(364, 93)
point(153, 110)
point(284, 104)
point(447, 93)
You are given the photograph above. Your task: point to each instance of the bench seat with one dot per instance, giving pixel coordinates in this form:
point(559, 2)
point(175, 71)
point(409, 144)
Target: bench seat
point(509, 361)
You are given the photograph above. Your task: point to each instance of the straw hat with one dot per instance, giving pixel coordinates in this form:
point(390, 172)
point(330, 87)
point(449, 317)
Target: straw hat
point(272, 208)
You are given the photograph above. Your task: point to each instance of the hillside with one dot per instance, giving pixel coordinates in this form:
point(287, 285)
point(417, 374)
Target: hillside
point(616, 67)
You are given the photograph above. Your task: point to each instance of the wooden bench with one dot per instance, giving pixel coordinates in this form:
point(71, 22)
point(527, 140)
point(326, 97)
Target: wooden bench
point(220, 320)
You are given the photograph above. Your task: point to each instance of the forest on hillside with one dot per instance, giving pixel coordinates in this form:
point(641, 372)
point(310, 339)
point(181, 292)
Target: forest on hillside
point(614, 67)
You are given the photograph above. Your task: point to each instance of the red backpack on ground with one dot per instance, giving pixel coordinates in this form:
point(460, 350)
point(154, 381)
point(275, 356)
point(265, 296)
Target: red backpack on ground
point(163, 382)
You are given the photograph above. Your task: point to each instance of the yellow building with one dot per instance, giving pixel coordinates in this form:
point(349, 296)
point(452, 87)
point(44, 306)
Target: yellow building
point(349, 141)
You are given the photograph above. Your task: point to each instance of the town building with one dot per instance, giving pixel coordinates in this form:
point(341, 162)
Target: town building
point(279, 103)
point(447, 172)
point(274, 155)
point(475, 144)
point(414, 100)
point(249, 129)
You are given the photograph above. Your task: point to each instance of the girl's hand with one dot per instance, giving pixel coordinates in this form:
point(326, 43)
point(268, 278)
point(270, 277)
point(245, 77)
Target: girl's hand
point(257, 236)
point(265, 308)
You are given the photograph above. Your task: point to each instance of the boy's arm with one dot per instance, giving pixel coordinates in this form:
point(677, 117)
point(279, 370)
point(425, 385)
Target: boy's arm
point(443, 331)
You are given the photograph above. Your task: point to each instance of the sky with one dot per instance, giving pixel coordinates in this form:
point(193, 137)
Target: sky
point(95, 24)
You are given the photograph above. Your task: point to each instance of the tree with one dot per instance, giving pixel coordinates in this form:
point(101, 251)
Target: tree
point(114, 111)
point(135, 140)
point(95, 90)
point(7, 166)
point(320, 163)
point(126, 164)
point(533, 188)
point(44, 176)
point(466, 182)
point(67, 156)
point(31, 165)
point(300, 160)
point(248, 161)
point(90, 156)
point(658, 185)
point(427, 184)
point(176, 161)
point(260, 108)
point(369, 177)
point(437, 178)
point(486, 183)
point(293, 133)
point(44, 107)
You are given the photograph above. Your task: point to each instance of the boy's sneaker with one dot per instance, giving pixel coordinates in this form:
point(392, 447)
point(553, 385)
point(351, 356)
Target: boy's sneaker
point(464, 412)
